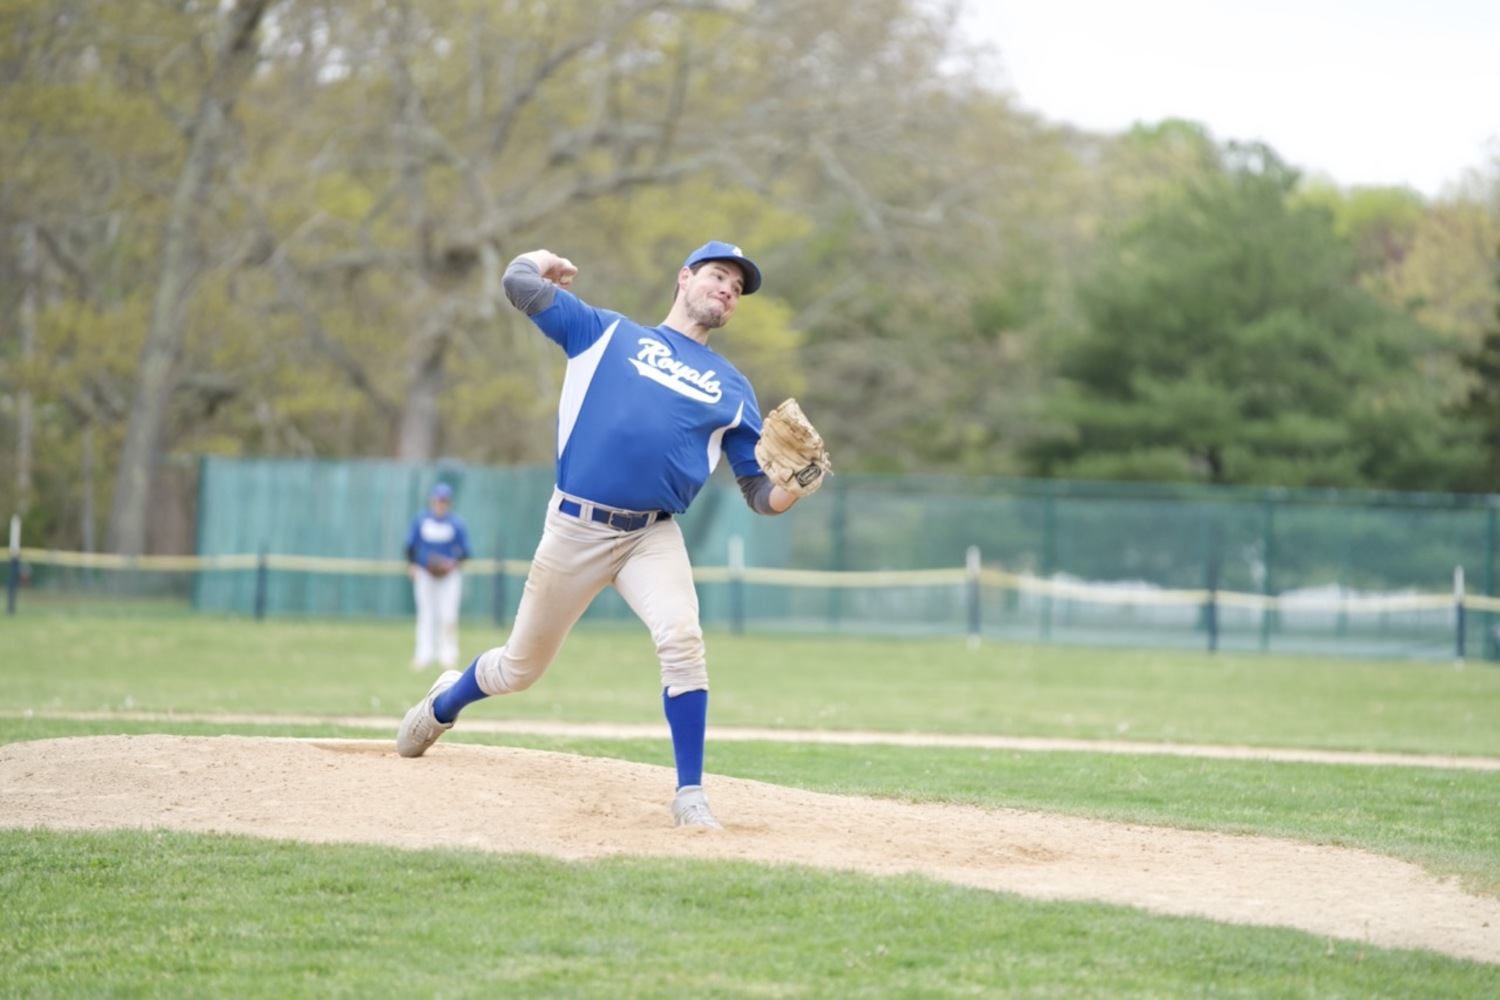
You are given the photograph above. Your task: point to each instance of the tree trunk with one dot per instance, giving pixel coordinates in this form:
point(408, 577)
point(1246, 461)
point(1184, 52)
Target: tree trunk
point(132, 500)
point(417, 438)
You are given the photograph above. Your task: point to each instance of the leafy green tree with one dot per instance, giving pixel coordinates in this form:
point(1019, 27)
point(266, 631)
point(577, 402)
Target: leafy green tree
point(939, 242)
point(447, 138)
point(292, 246)
point(1227, 341)
point(1446, 278)
point(1380, 223)
point(288, 240)
point(82, 144)
point(1480, 407)
point(233, 50)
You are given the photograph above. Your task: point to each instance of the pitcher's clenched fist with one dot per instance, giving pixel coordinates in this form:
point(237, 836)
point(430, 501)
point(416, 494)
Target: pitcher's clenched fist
point(559, 270)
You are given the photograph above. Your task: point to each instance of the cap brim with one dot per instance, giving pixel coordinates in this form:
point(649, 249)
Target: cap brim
point(747, 268)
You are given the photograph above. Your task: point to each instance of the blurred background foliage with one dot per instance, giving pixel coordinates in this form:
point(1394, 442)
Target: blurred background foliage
point(277, 228)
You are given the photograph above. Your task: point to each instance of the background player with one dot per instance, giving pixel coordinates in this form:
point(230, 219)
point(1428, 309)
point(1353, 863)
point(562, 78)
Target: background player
point(436, 546)
point(644, 417)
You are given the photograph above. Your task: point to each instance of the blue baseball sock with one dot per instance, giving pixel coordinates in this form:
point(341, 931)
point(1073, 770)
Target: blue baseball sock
point(687, 718)
point(465, 691)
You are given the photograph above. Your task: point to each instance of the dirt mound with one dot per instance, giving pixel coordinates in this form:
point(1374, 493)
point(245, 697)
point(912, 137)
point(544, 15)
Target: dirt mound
point(572, 807)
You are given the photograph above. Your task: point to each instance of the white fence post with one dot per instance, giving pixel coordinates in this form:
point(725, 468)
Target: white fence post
point(15, 564)
point(971, 569)
point(736, 584)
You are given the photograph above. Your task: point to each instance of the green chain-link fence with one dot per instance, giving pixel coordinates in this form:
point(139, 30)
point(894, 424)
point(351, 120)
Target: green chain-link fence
point(1341, 573)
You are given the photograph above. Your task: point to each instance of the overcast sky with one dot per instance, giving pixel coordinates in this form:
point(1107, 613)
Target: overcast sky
point(1366, 93)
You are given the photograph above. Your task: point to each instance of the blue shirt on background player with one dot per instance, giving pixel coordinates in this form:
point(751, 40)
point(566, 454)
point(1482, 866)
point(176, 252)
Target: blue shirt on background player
point(645, 416)
point(437, 535)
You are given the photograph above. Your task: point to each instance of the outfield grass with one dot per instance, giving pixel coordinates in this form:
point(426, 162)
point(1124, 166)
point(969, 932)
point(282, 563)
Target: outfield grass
point(106, 914)
point(154, 914)
point(206, 664)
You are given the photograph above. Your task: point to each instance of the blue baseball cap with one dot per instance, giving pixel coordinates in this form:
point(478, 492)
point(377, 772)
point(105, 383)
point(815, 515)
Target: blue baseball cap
point(442, 491)
point(719, 250)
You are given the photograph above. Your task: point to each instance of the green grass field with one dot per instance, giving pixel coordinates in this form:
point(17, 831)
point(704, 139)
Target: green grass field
point(168, 914)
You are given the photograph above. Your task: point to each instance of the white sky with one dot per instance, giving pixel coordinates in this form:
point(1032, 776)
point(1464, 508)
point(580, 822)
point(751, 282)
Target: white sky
point(1377, 92)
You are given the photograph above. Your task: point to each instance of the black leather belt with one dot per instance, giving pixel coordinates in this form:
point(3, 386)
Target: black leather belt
point(620, 520)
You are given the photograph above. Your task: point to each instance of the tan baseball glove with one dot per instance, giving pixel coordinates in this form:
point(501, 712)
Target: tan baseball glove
point(791, 452)
point(439, 566)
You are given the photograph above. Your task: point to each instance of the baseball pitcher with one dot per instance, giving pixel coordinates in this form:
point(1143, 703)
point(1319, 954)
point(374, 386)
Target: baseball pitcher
point(645, 416)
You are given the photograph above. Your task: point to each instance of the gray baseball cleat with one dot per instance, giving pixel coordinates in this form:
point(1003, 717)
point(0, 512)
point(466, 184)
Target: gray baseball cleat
point(690, 808)
point(421, 729)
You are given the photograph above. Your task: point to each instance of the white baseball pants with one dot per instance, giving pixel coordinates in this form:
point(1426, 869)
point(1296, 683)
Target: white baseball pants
point(438, 600)
point(574, 562)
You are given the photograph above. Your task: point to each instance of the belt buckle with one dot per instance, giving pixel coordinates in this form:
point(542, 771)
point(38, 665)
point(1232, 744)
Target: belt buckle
point(627, 522)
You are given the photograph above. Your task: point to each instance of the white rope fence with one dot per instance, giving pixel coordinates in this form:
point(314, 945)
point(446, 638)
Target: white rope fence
point(973, 576)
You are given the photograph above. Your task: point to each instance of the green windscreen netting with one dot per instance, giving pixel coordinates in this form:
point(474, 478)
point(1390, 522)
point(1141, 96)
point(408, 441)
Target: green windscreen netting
point(1237, 569)
point(1410, 576)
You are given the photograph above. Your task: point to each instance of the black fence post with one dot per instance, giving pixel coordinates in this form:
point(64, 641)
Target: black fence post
point(261, 582)
point(1211, 581)
point(839, 547)
point(1211, 613)
point(1490, 641)
point(1460, 626)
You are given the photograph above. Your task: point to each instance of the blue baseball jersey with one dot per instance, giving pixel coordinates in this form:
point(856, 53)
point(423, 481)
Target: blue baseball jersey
point(646, 412)
point(431, 535)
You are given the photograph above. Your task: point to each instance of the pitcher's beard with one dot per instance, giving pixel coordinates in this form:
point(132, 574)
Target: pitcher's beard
point(707, 313)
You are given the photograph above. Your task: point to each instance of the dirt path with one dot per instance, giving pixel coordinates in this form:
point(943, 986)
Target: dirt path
point(658, 731)
point(576, 807)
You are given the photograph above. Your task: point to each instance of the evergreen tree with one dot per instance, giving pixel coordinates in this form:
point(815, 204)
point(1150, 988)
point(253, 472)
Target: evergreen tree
point(1227, 340)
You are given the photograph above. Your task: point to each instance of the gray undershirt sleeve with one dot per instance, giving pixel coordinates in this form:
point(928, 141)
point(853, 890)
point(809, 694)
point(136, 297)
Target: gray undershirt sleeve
point(527, 290)
point(757, 492)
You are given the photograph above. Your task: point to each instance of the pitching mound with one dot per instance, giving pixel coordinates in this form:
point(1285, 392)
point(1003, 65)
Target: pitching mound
point(512, 800)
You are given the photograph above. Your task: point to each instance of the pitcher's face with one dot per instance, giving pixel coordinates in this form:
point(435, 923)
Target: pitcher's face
point(712, 292)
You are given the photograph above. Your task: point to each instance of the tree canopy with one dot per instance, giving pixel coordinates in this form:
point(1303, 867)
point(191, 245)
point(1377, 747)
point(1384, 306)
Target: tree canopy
point(1227, 339)
point(276, 227)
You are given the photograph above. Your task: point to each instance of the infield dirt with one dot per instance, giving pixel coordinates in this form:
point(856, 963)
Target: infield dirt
point(572, 807)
